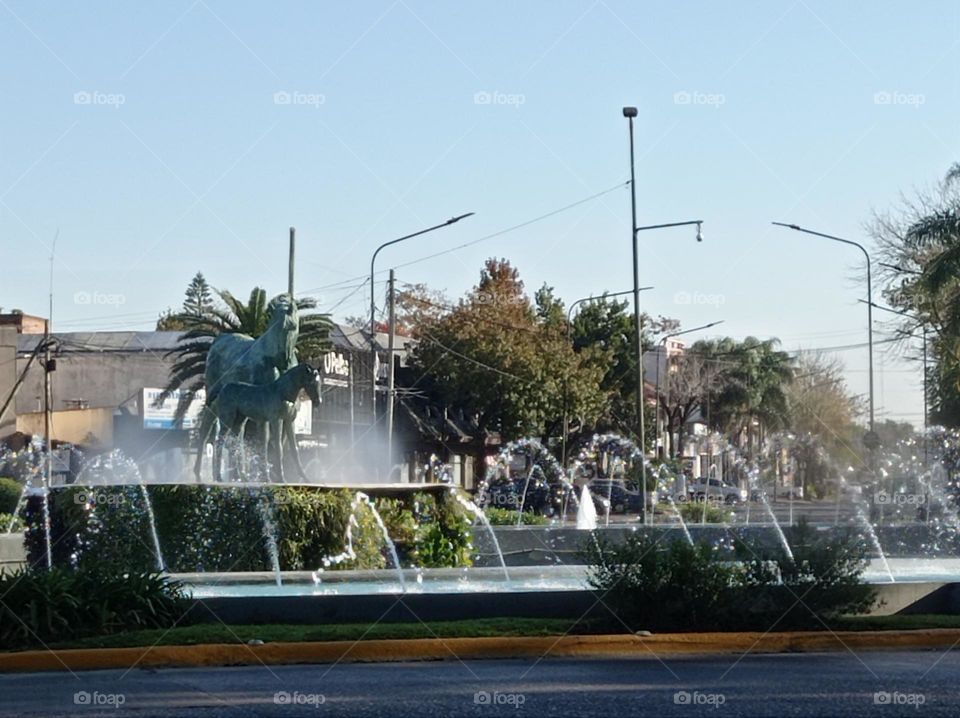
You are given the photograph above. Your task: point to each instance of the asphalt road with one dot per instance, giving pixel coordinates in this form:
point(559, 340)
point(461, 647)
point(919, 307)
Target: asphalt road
point(889, 683)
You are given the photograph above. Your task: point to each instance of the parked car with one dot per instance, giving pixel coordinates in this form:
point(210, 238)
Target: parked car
point(715, 490)
point(623, 497)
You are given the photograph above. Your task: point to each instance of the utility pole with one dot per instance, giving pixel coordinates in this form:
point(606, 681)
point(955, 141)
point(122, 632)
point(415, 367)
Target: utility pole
point(391, 329)
point(49, 365)
point(293, 232)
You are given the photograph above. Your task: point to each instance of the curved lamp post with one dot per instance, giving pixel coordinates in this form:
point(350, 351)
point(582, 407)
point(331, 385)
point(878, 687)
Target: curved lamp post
point(871, 439)
point(373, 310)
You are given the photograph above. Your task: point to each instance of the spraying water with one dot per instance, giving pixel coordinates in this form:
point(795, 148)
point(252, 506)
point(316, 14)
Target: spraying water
point(482, 517)
point(586, 512)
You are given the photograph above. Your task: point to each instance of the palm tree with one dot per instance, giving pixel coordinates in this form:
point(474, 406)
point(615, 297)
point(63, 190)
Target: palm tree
point(232, 316)
point(754, 375)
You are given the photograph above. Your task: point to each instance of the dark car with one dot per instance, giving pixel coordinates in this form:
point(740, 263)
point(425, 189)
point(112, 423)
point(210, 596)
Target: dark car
point(624, 498)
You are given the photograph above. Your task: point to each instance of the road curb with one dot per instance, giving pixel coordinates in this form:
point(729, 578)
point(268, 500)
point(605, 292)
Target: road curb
point(428, 649)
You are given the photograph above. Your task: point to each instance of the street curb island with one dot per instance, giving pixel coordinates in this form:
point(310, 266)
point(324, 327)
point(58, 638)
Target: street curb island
point(432, 649)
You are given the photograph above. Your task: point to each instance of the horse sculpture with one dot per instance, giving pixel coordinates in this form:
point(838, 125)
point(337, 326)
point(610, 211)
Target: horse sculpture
point(272, 405)
point(241, 358)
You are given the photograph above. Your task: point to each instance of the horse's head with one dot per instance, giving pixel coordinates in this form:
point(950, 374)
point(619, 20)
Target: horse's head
point(309, 380)
point(283, 314)
point(283, 331)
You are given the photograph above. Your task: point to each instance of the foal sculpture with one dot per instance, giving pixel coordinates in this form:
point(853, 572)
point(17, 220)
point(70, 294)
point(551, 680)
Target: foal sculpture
point(241, 358)
point(272, 405)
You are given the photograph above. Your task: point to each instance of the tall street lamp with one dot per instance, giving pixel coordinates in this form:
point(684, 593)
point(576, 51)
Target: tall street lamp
point(871, 440)
point(373, 309)
point(630, 113)
point(566, 428)
point(663, 344)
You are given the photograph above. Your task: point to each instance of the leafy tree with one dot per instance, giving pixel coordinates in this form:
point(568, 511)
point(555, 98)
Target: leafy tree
point(604, 332)
point(233, 316)
point(506, 359)
point(919, 244)
point(821, 406)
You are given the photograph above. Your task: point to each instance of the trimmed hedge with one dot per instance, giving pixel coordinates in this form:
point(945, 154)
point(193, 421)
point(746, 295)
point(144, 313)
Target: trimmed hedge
point(221, 527)
point(10, 491)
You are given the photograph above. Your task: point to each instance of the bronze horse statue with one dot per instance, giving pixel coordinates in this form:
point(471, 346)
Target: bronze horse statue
point(272, 406)
point(241, 358)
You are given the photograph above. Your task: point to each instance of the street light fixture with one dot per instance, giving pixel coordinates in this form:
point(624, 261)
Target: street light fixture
point(871, 440)
point(566, 428)
point(663, 343)
point(373, 310)
point(630, 113)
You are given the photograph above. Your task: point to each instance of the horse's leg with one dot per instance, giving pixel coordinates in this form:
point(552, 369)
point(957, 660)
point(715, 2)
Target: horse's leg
point(207, 419)
point(294, 449)
point(218, 451)
point(277, 427)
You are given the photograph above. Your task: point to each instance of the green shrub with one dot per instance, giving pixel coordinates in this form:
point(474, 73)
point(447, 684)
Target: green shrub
point(44, 606)
point(508, 517)
point(693, 512)
point(651, 585)
point(10, 522)
point(10, 491)
point(682, 587)
point(204, 527)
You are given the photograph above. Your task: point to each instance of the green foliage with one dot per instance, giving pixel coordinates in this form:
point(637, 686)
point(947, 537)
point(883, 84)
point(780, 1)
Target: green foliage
point(60, 604)
point(695, 512)
point(508, 517)
point(205, 527)
point(10, 491)
point(5, 523)
point(650, 585)
point(506, 359)
point(444, 535)
point(682, 587)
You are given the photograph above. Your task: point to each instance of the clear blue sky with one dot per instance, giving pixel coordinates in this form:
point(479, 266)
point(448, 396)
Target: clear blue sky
point(175, 156)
